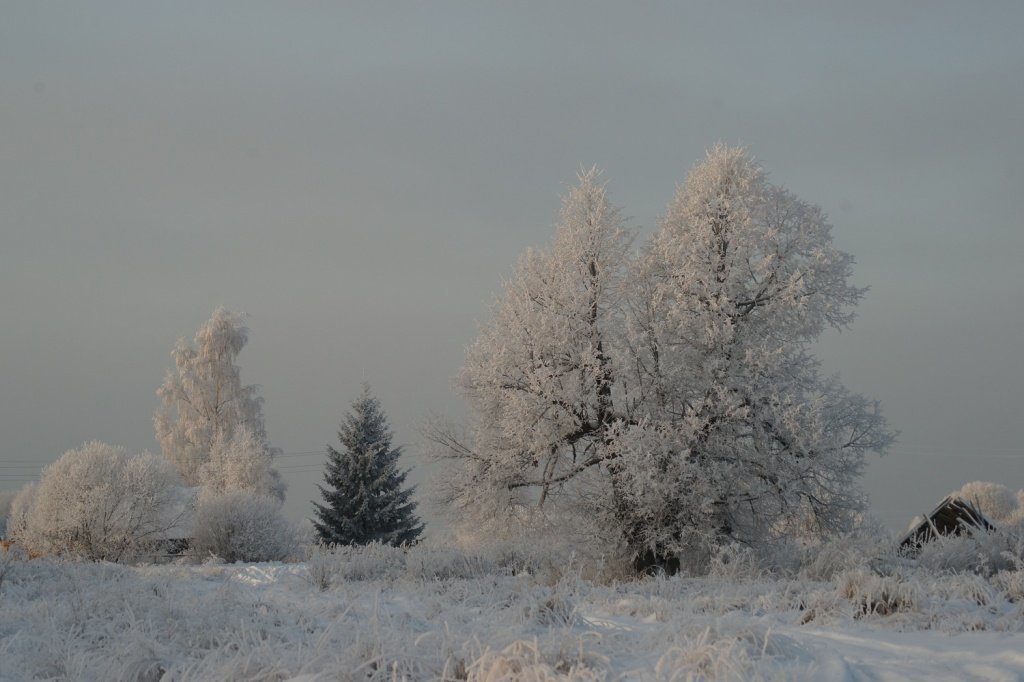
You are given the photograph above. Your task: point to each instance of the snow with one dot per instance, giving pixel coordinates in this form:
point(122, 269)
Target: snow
point(434, 613)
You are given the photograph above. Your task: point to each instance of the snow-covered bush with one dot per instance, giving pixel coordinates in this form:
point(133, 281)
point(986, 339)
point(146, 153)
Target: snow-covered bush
point(433, 561)
point(533, 538)
point(320, 567)
point(735, 562)
point(873, 594)
point(238, 525)
point(329, 564)
point(1011, 583)
point(449, 564)
point(97, 503)
point(983, 552)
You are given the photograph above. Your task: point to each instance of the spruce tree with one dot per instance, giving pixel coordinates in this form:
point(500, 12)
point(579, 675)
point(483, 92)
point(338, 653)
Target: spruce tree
point(364, 498)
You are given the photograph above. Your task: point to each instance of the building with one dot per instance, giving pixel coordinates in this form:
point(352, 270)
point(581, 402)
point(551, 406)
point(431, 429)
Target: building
point(953, 516)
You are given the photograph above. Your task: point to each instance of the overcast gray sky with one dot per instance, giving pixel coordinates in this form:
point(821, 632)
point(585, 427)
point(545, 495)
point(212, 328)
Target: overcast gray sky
point(359, 178)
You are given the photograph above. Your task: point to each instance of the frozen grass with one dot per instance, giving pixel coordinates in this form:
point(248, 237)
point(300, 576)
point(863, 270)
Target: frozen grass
point(379, 613)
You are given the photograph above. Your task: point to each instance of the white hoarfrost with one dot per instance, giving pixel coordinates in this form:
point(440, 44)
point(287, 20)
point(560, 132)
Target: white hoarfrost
point(738, 282)
point(211, 427)
point(203, 401)
point(239, 525)
point(540, 377)
point(430, 613)
point(97, 503)
point(243, 463)
point(995, 500)
point(668, 401)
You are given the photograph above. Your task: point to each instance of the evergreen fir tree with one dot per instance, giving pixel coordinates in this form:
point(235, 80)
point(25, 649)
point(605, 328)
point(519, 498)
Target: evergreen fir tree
point(364, 499)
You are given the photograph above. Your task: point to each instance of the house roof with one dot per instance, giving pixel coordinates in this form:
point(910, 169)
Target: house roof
point(951, 516)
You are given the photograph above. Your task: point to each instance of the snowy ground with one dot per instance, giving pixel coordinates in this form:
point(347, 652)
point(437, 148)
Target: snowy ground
point(437, 614)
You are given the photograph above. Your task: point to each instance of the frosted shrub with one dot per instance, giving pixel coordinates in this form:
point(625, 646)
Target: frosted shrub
point(374, 561)
point(241, 526)
point(735, 563)
point(1011, 584)
point(873, 594)
point(706, 657)
point(856, 550)
point(831, 558)
point(320, 567)
point(966, 586)
point(446, 564)
point(525, 660)
point(98, 503)
point(976, 552)
point(552, 606)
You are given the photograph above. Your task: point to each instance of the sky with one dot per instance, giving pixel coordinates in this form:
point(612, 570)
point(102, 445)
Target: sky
point(358, 178)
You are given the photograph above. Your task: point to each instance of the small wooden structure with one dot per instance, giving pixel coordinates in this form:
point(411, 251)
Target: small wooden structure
point(953, 516)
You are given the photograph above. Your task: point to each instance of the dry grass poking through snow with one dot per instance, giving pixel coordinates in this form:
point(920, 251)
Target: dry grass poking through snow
point(380, 613)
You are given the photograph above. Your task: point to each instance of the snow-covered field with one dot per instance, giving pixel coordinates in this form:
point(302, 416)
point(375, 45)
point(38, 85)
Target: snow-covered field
point(443, 614)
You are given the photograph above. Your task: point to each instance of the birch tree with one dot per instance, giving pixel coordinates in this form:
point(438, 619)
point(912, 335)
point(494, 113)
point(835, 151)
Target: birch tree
point(203, 400)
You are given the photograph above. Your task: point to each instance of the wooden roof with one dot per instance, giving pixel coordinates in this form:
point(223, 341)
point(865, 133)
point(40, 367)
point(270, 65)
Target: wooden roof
point(952, 516)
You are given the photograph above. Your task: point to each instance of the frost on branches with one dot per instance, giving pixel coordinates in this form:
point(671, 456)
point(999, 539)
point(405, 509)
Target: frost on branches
point(97, 503)
point(242, 463)
point(670, 396)
point(240, 525)
point(364, 498)
point(206, 412)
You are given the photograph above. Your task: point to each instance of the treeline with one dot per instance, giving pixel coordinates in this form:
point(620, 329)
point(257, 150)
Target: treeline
point(659, 400)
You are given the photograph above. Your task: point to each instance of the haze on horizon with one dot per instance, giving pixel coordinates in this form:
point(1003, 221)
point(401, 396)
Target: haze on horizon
point(359, 179)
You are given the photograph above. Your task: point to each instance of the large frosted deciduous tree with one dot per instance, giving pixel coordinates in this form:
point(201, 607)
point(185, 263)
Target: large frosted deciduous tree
point(740, 279)
point(364, 497)
point(203, 401)
point(671, 396)
point(541, 378)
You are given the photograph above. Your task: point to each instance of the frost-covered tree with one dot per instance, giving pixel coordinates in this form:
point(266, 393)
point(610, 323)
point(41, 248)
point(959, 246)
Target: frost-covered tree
point(674, 396)
point(743, 277)
point(364, 499)
point(6, 498)
point(18, 514)
point(995, 500)
point(541, 378)
point(242, 463)
point(98, 503)
point(203, 400)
